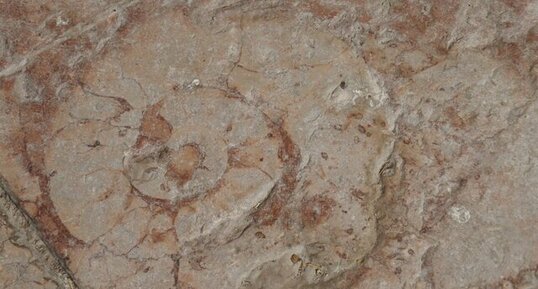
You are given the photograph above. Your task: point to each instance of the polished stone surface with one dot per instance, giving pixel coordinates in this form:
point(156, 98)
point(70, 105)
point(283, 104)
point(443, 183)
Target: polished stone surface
point(269, 144)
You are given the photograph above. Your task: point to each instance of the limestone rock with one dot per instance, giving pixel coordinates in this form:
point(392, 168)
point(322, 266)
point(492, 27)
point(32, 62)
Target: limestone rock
point(268, 144)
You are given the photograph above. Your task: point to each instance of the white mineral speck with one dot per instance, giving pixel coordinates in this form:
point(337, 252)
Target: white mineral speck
point(61, 22)
point(459, 214)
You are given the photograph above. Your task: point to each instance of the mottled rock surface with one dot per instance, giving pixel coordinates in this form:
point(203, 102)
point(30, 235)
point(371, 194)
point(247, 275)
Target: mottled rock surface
point(269, 144)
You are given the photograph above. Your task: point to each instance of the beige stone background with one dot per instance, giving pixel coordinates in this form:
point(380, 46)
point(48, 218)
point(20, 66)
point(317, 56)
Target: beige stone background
point(312, 144)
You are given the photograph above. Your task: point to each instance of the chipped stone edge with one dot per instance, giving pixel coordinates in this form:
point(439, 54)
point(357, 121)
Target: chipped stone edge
point(31, 237)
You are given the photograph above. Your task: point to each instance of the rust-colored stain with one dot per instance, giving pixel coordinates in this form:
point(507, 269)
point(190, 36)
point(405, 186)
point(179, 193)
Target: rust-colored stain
point(408, 38)
point(320, 10)
point(12, 9)
point(234, 158)
point(513, 53)
point(532, 36)
point(316, 210)
point(518, 5)
point(134, 15)
point(7, 85)
point(30, 141)
point(413, 22)
point(290, 155)
point(354, 277)
point(453, 117)
point(154, 127)
point(423, 30)
point(183, 164)
point(157, 236)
